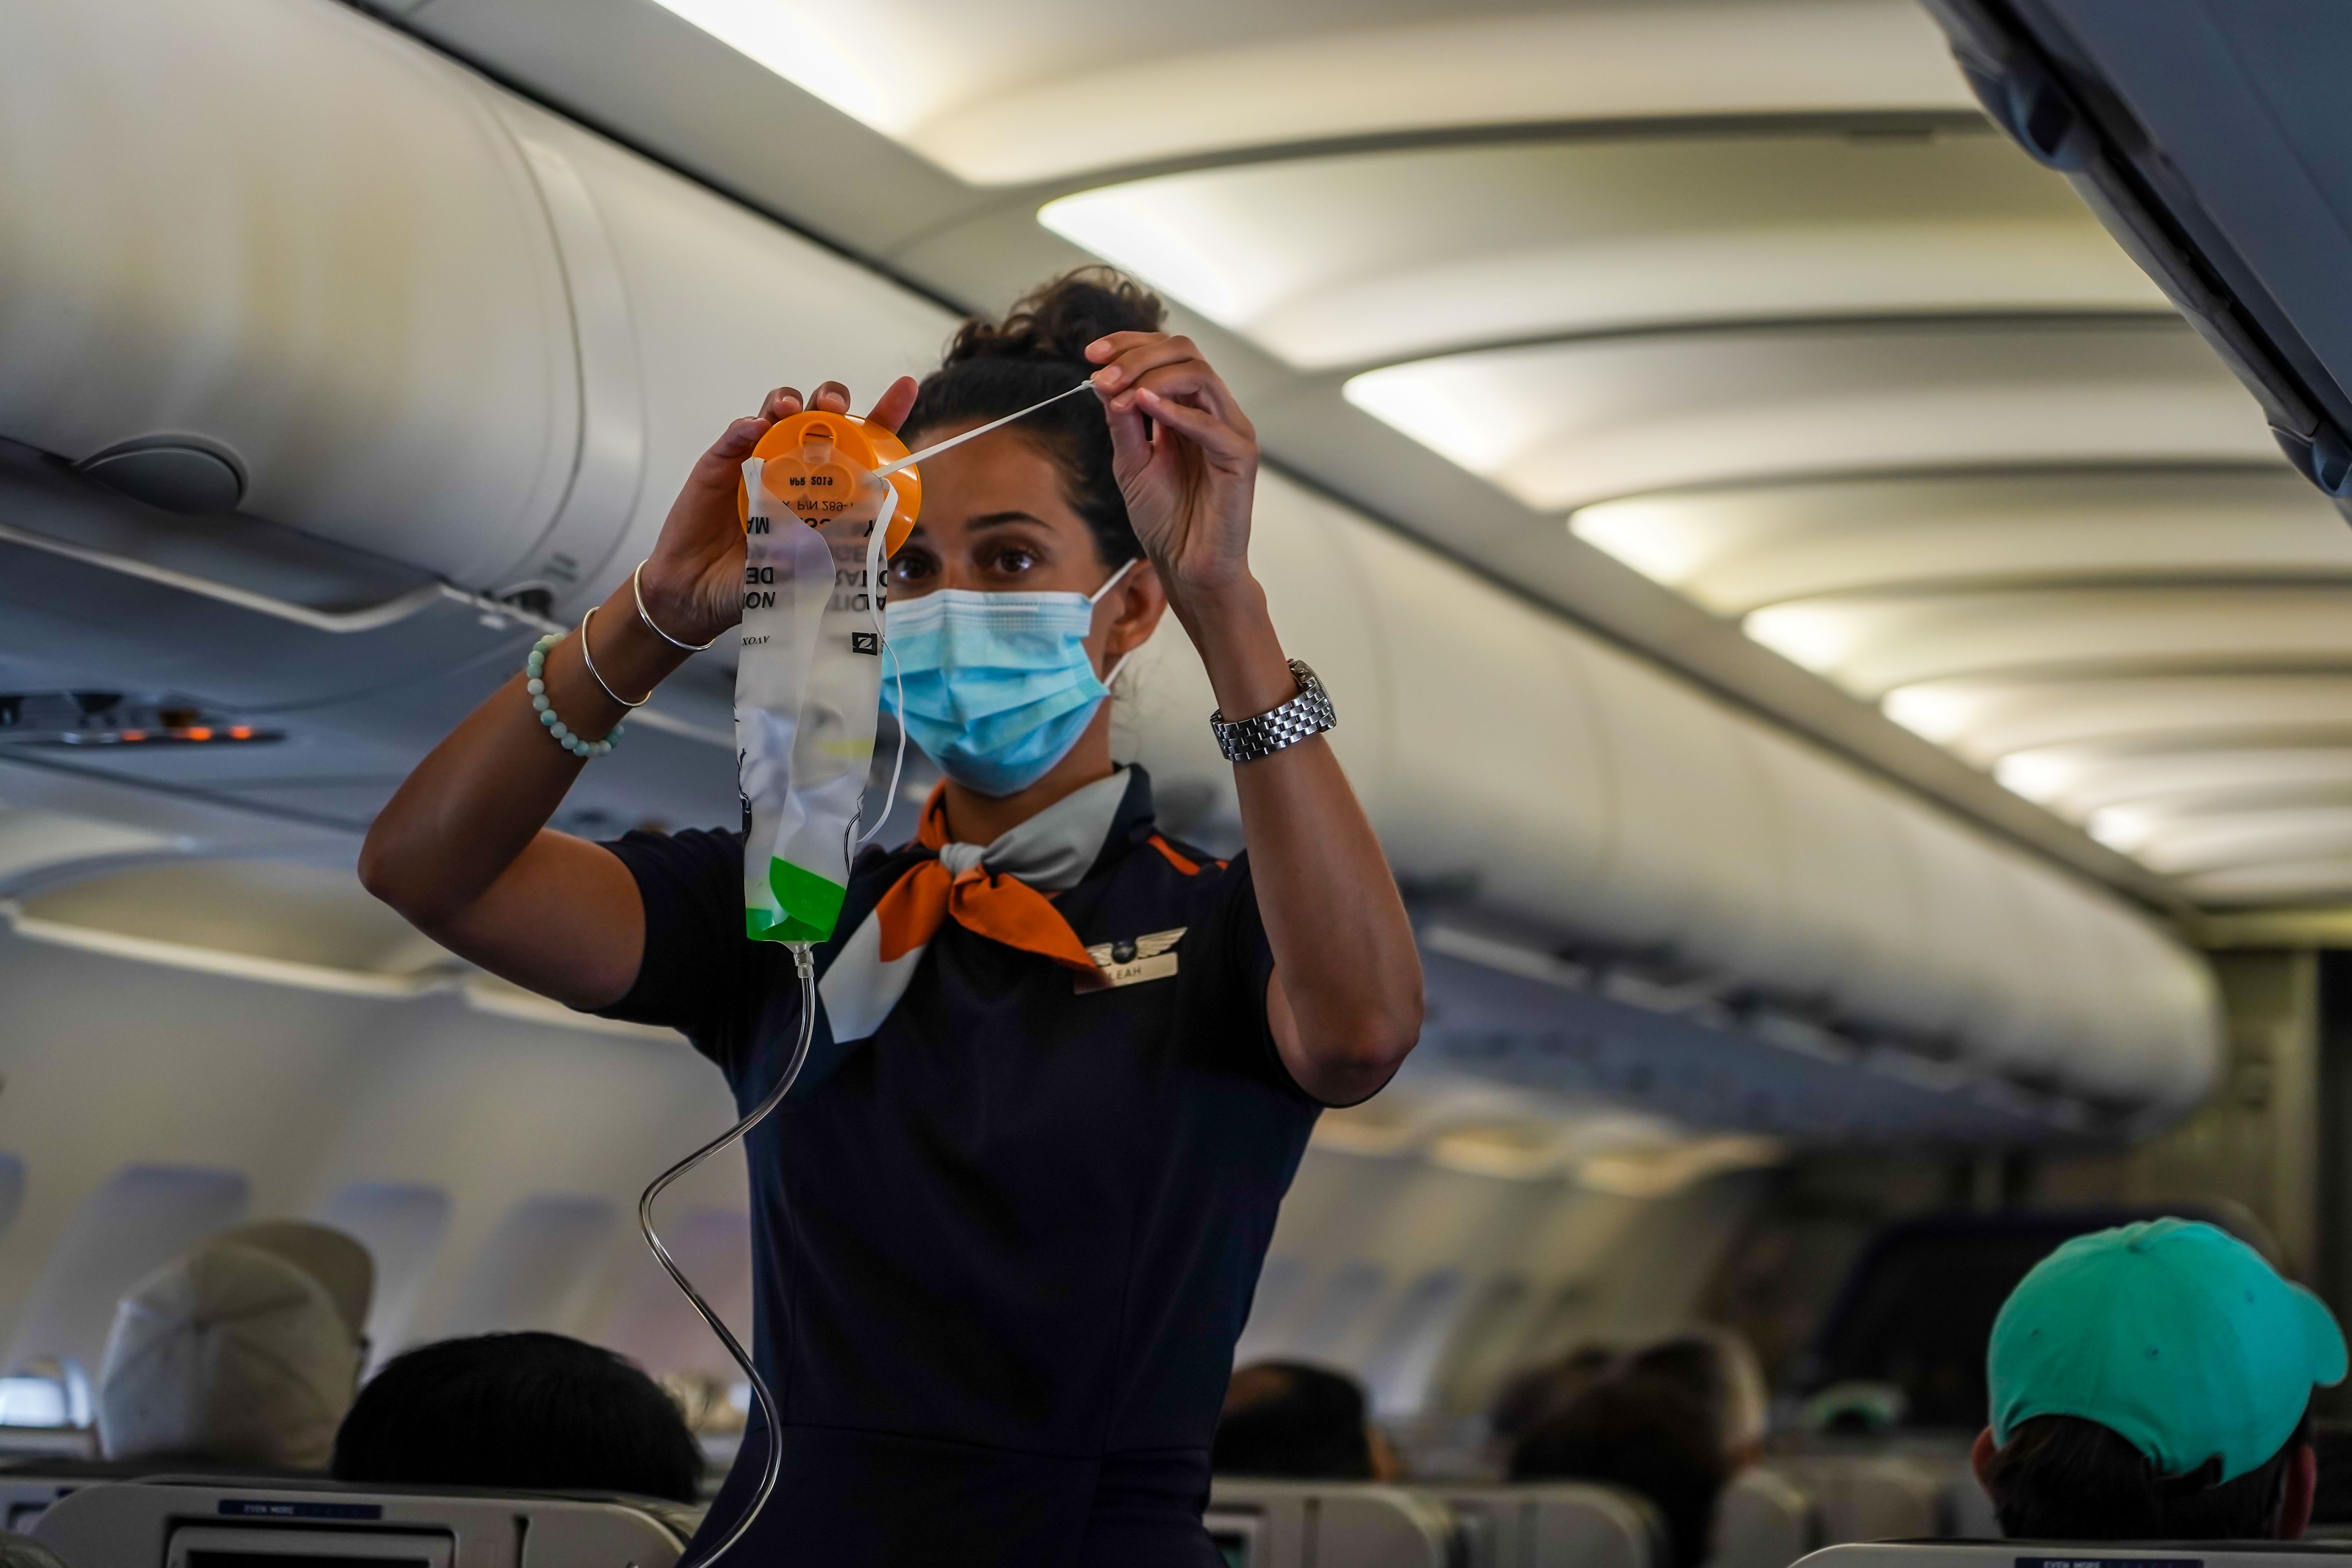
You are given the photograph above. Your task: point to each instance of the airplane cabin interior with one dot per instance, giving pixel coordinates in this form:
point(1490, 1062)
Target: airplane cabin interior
point(1824, 523)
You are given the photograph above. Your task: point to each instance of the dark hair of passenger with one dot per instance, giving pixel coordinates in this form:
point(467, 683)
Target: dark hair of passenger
point(1532, 1395)
point(994, 368)
point(2060, 1478)
point(527, 1412)
point(1289, 1419)
point(1647, 1435)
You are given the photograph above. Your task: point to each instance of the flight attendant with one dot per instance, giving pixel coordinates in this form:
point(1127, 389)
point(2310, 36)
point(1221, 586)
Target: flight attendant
point(1007, 1226)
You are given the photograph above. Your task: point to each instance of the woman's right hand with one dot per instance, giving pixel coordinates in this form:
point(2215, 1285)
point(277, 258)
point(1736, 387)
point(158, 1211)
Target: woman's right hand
point(693, 581)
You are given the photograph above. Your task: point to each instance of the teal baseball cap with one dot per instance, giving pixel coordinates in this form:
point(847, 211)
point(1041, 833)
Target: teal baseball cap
point(2173, 1334)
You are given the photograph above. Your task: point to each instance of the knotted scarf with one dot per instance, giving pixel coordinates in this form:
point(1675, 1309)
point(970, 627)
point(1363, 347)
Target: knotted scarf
point(996, 890)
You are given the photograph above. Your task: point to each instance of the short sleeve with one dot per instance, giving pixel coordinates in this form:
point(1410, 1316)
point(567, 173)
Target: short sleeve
point(1248, 959)
point(697, 968)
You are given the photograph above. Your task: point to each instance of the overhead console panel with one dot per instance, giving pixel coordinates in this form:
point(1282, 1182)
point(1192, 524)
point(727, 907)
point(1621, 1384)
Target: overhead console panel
point(2208, 136)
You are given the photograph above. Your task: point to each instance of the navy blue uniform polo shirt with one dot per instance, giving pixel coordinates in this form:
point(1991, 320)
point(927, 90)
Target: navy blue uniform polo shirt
point(1001, 1249)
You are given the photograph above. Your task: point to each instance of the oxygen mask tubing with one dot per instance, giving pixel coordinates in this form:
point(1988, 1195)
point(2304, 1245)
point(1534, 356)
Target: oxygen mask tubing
point(826, 499)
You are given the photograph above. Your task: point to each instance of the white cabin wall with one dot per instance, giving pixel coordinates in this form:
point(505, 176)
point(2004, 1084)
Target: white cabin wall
point(108, 1062)
point(1532, 1269)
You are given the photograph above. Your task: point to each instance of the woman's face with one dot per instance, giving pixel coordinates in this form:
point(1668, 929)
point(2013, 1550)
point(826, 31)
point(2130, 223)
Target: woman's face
point(995, 519)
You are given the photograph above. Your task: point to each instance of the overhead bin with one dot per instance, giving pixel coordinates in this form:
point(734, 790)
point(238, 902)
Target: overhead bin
point(2209, 139)
point(426, 321)
point(405, 311)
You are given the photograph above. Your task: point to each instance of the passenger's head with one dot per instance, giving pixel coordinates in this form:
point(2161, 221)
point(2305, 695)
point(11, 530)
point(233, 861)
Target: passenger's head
point(527, 1412)
point(1532, 1395)
point(1722, 1371)
point(245, 1350)
point(1287, 1418)
point(1647, 1434)
point(2154, 1382)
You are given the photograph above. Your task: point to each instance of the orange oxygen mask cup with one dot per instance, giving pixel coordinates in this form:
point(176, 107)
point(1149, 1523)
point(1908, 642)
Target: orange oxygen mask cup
point(825, 469)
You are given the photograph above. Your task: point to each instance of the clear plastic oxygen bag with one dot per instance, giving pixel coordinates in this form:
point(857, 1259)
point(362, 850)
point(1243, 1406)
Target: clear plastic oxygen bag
point(818, 522)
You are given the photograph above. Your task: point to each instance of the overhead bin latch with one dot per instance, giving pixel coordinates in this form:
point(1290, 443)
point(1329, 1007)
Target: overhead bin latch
point(2026, 102)
point(2323, 456)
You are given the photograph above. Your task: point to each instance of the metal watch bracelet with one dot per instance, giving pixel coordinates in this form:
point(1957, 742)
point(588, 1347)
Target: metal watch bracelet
point(1308, 713)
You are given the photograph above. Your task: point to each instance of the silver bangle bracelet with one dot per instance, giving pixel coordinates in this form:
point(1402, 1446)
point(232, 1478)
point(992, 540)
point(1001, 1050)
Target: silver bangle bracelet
point(637, 590)
point(589, 660)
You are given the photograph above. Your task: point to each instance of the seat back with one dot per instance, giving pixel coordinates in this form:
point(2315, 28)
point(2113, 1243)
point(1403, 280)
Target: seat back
point(1764, 1520)
point(1552, 1524)
point(25, 1496)
point(2062, 1554)
point(184, 1523)
point(1868, 1497)
point(1325, 1524)
point(24, 1552)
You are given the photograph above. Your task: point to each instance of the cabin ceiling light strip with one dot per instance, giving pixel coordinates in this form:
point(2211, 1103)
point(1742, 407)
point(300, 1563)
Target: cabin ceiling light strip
point(492, 997)
point(1305, 257)
point(1666, 1172)
point(1028, 91)
point(1560, 425)
point(218, 961)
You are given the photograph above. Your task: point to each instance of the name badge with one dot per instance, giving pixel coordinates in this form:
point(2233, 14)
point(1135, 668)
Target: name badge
point(1133, 962)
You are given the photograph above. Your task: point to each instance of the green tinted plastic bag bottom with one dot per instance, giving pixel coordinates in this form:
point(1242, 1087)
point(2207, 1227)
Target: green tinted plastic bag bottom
point(807, 906)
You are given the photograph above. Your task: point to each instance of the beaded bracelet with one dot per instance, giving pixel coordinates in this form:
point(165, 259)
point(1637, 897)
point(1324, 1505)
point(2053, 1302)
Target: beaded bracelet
point(535, 669)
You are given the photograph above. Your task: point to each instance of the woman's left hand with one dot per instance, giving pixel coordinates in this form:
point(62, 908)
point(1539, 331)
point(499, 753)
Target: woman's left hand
point(1189, 478)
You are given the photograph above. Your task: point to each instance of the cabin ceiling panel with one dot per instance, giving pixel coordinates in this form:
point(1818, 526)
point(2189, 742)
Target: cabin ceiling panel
point(1562, 425)
point(1985, 719)
point(1029, 90)
point(1306, 258)
point(1871, 644)
point(1736, 550)
point(2085, 780)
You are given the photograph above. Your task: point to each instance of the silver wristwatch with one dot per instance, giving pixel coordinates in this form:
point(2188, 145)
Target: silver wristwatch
point(1308, 713)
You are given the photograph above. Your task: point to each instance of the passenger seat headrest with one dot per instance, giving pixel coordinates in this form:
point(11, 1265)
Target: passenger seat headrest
point(24, 1552)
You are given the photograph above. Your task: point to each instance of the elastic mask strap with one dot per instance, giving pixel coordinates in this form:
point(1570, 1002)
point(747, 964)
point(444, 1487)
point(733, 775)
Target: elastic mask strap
point(1096, 597)
point(911, 458)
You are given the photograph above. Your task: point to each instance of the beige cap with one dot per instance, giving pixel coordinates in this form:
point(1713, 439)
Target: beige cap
point(335, 1260)
point(232, 1352)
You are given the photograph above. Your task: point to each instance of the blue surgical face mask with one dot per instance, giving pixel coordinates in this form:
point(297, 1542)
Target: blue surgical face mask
point(996, 687)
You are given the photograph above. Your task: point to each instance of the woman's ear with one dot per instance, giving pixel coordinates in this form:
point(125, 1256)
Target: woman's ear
point(1135, 603)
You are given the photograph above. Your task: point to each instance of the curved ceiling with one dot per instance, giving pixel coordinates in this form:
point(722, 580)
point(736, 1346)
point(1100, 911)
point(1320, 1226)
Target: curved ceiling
point(1741, 295)
point(1026, 90)
point(1306, 257)
point(1561, 425)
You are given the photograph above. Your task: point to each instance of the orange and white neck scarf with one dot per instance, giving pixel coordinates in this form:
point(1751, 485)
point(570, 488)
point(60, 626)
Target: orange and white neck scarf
point(996, 890)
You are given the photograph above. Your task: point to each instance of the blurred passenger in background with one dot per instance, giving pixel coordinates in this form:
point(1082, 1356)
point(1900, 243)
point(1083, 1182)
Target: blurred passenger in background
point(528, 1412)
point(1648, 1434)
point(244, 1352)
point(1717, 1366)
point(1292, 1420)
point(2153, 1383)
point(1531, 1397)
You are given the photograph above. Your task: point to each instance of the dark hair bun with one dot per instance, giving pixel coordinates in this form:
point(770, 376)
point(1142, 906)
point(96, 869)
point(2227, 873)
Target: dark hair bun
point(1054, 324)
